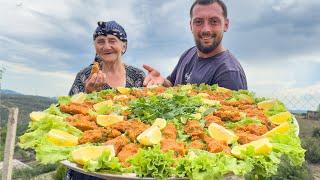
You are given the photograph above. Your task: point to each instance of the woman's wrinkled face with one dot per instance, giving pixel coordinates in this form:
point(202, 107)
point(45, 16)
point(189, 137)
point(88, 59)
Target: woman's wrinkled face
point(109, 48)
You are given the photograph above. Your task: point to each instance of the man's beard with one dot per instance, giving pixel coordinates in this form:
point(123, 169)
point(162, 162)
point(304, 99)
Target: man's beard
point(211, 47)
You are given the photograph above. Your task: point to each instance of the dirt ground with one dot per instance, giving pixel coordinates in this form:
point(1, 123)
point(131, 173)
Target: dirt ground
point(315, 168)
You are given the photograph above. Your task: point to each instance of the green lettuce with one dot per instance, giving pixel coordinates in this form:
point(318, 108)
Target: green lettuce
point(48, 153)
point(153, 162)
point(242, 122)
point(278, 107)
point(54, 110)
point(104, 163)
point(38, 129)
point(64, 99)
point(289, 144)
point(200, 164)
point(264, 166)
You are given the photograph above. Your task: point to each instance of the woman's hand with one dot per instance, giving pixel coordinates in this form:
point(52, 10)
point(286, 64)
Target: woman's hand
point(95, 82)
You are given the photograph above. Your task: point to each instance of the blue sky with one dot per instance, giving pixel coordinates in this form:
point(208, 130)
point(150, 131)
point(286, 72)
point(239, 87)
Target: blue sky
point(43, 45)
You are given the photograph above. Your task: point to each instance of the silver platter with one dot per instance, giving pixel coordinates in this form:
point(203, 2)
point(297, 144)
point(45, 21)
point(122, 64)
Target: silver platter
point(130, 176)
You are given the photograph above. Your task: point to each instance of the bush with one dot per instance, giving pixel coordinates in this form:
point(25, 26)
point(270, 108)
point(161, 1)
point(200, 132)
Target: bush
point(287, 171)
point(316, 132)
point(60, 172)
point(312, 145)
point(36, 170)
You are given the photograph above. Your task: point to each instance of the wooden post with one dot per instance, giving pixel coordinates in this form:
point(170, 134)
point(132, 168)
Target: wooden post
point(10, 142)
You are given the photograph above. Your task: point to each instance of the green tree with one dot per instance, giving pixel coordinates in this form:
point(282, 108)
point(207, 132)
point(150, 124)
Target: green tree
point(318, 112)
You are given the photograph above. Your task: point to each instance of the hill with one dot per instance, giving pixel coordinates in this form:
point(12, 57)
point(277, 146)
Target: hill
point(8, 91)
point(26, 104)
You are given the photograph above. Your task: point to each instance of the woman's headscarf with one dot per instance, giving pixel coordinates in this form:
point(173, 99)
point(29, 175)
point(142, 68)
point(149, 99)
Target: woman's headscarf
point(110, 28)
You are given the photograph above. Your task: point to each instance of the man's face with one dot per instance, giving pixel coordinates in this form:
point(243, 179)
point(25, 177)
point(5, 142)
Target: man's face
point(208, 25)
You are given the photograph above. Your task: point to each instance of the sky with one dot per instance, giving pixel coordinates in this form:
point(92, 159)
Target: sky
point(43, 45)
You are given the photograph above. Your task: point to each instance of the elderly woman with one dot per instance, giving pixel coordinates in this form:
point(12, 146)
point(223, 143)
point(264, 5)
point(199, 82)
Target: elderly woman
point(110, 42)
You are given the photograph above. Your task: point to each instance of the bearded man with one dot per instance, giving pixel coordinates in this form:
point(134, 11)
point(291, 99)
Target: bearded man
point(209, 61)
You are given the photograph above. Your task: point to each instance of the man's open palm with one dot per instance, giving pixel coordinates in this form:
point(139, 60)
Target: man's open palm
point(153, 77)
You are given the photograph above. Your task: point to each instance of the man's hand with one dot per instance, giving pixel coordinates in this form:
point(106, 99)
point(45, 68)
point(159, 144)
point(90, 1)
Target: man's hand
point(153, 77)
point(95, 82)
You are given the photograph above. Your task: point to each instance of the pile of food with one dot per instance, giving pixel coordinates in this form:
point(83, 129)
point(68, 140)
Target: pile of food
point(193, 131)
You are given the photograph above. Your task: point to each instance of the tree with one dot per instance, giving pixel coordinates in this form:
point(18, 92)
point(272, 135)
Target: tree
point(2, 70)
point(318, 110)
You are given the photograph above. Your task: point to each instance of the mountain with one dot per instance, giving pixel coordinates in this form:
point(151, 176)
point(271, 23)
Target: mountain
point(297, 111)
point(8, 91)
point(26, 104)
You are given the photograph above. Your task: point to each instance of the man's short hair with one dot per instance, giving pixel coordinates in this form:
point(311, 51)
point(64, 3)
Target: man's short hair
point(206, 2)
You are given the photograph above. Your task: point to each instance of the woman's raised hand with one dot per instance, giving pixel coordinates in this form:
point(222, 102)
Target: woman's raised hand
point(95, 82)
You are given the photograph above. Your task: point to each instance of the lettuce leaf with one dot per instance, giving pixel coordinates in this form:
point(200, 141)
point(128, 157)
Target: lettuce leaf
point(264, 166)
point(200, 164)
point(64, 99)
point(104, 163)
point(48, 153)
point(242, 122)
point(289, 144)
point(38, 129)
point(276, 108)
point(153, 162)
point(54, 110)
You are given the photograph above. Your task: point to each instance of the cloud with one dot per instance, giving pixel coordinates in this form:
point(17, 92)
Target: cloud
point(259, 29)
point(33, 81)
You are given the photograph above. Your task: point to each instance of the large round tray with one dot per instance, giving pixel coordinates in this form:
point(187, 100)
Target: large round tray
point(133, 176)
point(78, 168)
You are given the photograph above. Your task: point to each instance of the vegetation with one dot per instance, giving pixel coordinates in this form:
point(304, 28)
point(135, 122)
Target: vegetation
point(287, 171)
point(26, 104)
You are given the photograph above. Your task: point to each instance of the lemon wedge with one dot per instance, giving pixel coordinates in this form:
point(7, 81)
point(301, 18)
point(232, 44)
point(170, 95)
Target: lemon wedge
point(245, 97)
point(210, 102)
point(123, 90)
point(281, 117)
point(221, 133)
point(261, 146)
point(167, 95)
point(265, 105)
point(97, 106)
point(150, 136)
point(62, 138)
point(224, 90)
point(37, 115)
point(203, 95)
point(202, 109)
point(196, 116)
point(120, 97)
point(78, 98)
point(186, 87)
point(107, 120)
point(281, 129)
point(84, 154)
point(161, 123)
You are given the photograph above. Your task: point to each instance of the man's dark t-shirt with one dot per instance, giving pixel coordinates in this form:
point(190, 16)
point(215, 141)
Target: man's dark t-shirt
point(222, 69)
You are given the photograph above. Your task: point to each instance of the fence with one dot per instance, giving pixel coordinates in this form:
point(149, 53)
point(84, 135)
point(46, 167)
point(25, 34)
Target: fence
point(297, 100)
